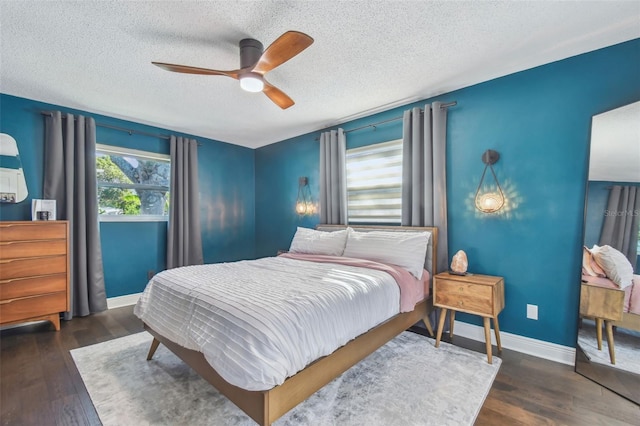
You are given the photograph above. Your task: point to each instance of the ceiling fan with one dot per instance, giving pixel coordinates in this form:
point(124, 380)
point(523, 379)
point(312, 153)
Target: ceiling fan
point(255, 63)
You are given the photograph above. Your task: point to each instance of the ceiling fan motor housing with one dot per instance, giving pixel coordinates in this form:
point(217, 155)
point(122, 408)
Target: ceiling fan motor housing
point(250, 52)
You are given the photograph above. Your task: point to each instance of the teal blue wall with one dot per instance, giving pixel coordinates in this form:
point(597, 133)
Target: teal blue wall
point(539, 120)
point(597, 199)
point(130, 249)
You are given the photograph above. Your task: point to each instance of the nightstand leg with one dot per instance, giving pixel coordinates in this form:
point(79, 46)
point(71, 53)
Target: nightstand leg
point(443, 314)
point(487, 337)
point(496, 330)
point(612, 353)
point(599, 332)
point(452, 319)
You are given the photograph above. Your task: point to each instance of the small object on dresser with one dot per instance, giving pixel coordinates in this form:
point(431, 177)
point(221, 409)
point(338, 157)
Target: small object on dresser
point(38, 206)
point(43, 215)
point(459, 263)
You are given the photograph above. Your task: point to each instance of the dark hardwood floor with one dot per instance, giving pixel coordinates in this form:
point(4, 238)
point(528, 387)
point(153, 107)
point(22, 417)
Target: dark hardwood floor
point(39, 384)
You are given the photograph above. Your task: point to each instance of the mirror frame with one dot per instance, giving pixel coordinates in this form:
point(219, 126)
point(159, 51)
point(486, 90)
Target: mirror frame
point(17, 191)
point(620, 381)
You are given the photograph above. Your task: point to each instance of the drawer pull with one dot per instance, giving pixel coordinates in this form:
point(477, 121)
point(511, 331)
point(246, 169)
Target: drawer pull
point(6, 302)
point(460, 303)
point(10, 280)
point(8, 243)
point(30, 258)
point(461, 288)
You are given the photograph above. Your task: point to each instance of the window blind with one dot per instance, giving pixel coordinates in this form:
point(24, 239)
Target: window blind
point(374, 183)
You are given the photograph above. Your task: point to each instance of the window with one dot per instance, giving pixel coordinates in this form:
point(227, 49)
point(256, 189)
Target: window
point(374, 183)
point(132, 184)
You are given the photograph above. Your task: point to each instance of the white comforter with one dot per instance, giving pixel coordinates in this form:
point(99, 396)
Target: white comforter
point(258, 322)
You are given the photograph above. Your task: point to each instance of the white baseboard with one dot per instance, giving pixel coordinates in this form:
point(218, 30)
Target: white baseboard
point(120, 301)
point(527, 345)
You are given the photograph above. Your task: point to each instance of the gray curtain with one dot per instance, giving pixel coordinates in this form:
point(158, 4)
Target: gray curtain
point(424, 174)
point(333, 178)
point(184, 241)
point(70, 179)
point(620, 226)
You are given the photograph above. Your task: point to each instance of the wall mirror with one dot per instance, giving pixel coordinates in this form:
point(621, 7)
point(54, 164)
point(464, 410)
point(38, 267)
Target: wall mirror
point(13, 187)
point(608, 346)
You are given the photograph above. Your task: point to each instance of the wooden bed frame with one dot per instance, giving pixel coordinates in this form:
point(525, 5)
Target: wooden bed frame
point(267, 406)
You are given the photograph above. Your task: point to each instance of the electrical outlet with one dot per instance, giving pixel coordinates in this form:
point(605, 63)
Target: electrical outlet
point(532, 312)
point(150, 274)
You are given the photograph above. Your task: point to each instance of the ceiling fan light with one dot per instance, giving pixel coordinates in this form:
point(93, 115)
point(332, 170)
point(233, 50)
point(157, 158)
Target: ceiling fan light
point(252, 82)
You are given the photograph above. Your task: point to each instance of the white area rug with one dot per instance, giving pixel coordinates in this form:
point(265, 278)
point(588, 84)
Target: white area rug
point(626, 344)
point(406, 382)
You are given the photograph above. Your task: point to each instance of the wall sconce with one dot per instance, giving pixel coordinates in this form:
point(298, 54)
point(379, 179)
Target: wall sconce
point(303, 201)
point(489, 199)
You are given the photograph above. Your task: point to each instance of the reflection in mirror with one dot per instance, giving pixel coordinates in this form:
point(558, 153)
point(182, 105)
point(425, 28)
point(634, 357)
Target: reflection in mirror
point(608, 349)
point(13, 187)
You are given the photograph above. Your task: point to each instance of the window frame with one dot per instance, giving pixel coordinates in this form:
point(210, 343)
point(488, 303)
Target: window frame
point(391, 144)
point(122, 151)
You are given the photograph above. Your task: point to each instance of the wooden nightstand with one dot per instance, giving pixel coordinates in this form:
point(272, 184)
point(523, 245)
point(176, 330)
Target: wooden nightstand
point(474, 294)
point(602, 304)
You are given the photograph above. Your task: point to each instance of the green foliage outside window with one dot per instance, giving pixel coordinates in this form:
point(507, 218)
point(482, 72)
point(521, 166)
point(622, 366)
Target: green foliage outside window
point(145, 184)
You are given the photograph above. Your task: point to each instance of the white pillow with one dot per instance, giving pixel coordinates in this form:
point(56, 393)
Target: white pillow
point(615, 265)
point(405, 249)
point(310, 241)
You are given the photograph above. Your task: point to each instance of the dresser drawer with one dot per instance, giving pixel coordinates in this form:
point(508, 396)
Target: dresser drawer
point(19, 309)
point(22, 287)
point(21, 231)
point(31, 267)
point(15, 249)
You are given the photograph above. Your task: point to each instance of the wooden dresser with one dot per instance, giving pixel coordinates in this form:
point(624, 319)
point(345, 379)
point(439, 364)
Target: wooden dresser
point(474, 294)
point(34, 271)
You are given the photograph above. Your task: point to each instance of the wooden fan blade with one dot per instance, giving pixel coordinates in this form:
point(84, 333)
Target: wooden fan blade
point(195, 70)
point(277, 96)
point(280, 51)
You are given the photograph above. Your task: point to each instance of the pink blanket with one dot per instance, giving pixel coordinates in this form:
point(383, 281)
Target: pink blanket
point(631, 293)
point(412, 290)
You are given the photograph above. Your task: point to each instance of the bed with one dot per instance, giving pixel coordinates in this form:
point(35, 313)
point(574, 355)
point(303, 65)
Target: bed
point(610, 293)
point(266, 392)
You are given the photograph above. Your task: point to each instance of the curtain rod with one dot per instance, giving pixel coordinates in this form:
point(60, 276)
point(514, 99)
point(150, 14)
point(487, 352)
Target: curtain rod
point(122, 129)
point(443, 106)
point(447, 105)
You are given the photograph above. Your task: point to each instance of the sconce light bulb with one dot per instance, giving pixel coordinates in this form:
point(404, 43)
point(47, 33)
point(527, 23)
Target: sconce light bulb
point(489, 202)
point(301, 207)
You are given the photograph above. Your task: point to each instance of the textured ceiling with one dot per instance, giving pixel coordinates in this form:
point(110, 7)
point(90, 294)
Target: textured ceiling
point(368, 56)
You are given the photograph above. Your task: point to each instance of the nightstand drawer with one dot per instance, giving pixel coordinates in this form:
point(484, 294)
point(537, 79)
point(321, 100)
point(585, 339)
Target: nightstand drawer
point(600, 302)
point(464, 297)
point(464, 289)
point(473, 294)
